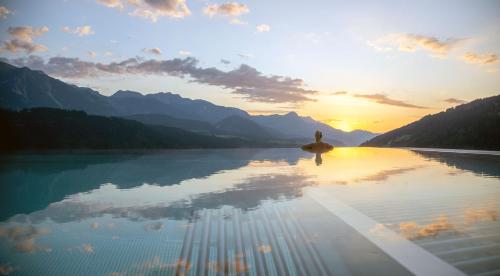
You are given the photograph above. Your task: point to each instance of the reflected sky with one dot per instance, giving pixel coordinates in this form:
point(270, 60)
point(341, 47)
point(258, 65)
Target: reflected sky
point(124, 213)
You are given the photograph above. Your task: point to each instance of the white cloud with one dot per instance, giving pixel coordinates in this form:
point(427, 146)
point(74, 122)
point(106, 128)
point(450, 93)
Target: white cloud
point(153, 51)
point(184, 53)
point(154, 9)
point(92, 54)
point(263, 28)
point(226, 9)
point(80, 31)
point(112, 3)
point(4, 12)
point(411, 43)
point(236, 21)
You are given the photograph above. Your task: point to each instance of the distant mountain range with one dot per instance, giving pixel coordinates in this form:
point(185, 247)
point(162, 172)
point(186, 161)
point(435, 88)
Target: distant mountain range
point(49, 128)
point(475, 125)
point(24, 88)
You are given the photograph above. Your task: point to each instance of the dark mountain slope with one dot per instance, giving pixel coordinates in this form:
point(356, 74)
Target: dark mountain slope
point(166, 120)
point(475, 125)
point(24, 88)
point(46, 128)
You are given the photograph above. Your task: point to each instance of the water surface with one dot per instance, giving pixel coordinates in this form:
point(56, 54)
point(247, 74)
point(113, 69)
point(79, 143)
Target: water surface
point(249, 212)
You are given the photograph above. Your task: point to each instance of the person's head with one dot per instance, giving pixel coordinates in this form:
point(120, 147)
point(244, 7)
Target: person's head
point(318, 135)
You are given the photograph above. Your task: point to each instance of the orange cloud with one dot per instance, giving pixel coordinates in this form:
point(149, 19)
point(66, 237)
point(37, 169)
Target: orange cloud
point(383, 99)
point(411, 42)
point(482, 59)
point(454, 101)
point(413, 231)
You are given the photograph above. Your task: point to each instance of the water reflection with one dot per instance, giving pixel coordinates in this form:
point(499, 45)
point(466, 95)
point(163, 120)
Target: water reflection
point(234, 211)
point(318, 152)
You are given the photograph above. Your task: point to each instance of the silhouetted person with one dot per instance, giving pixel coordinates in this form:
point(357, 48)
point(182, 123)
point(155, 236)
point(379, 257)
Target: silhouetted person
point(318, 147)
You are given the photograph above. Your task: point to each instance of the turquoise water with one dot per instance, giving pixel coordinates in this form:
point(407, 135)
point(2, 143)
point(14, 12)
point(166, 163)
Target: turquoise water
point(352, 211)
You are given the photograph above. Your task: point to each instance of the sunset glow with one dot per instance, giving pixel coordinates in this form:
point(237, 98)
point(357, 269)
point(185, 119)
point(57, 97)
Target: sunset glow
point(356, 65)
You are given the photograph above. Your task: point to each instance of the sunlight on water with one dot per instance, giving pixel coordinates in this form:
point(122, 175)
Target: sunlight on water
point(279, 211)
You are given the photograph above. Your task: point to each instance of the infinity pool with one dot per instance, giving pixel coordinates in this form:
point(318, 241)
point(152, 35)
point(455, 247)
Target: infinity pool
point(352, 211)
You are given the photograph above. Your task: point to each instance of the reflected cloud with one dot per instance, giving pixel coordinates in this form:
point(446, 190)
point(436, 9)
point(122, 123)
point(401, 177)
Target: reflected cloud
point(7, 269)
point(52, 178)
point(87, 248)
point(480, 214)
point(385, 174)
point(265, 249)
point(94, 225)
point(155, 226)
point(413, 231)
point(23, 238)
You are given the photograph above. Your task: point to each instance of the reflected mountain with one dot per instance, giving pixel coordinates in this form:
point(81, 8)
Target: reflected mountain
point(31, 182)
point(481, 164)
point(246, 195)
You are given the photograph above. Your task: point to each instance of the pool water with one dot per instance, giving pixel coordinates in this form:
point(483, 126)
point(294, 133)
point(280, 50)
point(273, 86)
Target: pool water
point(351, 211)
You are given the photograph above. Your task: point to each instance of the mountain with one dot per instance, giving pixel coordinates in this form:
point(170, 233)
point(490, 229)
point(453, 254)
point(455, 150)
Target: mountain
point(475, 125)
point(169, 121)
point(25, 88)
point(62, 129)
point(236, 125)
point(197, 109)
point(294, 126)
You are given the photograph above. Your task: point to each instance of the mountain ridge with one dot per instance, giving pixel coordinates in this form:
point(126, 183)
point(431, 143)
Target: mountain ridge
point(26, 88)
point(474, 125)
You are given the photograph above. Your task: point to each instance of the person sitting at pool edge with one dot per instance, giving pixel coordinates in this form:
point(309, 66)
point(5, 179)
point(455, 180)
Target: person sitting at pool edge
point(318, 146)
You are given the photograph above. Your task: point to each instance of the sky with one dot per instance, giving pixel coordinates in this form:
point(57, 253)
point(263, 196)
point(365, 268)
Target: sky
point(373, 65)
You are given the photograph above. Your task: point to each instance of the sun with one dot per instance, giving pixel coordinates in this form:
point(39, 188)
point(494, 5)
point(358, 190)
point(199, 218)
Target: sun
point(343, 125)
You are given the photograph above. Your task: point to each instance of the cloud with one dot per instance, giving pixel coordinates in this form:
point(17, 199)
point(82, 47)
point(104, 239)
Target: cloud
point(154, 9)
point(94, 225)
point(383, 99)
point(226, 9)
point(244, 81)
point(4, 12)
point(225, 61)
point(7, 269)
point(483, 59)
point(263, 28)
point(87, 248)
point(385, 174)
point(23, 238)
point(27, 33)
point(184, 53)
point(246, 55)
point(264, 249)
point(236, 21)
point(339, 93)
point(108, 53)
point(23, 39)
point(153, 51)
point(80, 31)
point(154, 226)
point(454, 101)
point(111, 3)
point(413, 231)
point(16, 45)
point(92, 54)
point(412, 42)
